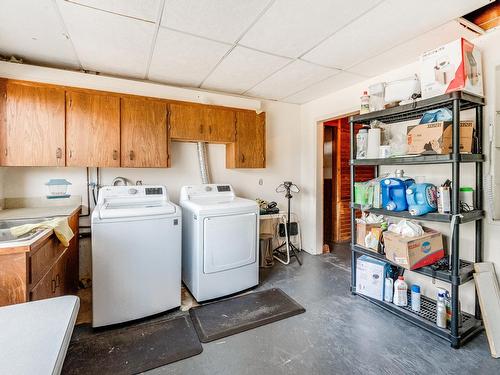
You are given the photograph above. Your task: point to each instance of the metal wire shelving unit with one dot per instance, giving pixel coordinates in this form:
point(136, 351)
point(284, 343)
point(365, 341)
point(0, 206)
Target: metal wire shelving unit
point(463, 326)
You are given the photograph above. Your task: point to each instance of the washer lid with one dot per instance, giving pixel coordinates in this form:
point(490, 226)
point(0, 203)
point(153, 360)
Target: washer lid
point(133, 208)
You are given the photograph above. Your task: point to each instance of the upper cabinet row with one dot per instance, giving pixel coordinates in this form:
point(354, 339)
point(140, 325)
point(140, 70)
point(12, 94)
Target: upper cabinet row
point(42, 125)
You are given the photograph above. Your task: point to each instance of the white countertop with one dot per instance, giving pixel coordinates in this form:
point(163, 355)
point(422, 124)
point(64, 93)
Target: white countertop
point(36, 212)
point(35, 335)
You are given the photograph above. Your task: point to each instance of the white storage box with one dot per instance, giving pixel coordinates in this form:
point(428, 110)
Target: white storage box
point(402, 90)
point(452, 67)
point(370, 276)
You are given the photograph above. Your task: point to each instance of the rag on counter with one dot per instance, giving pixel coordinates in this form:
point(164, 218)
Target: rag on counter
point(59, 225)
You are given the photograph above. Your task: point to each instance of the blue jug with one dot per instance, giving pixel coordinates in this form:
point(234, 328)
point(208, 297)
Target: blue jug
point(394, 192)
point(421, 198)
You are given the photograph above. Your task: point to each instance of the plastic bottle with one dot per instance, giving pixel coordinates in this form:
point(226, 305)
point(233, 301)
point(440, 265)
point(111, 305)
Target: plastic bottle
point(365, 103)
point(441, 315)
point(400, 292)
point(415, 297)
point(388, 289)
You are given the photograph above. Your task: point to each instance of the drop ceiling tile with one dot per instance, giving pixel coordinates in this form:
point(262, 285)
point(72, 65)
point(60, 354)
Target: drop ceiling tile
point(183, 59)
point(409, 52)
point(223, 20)
point(106, 42)
point(292, 78)
point(337, 82)
point(292, 27)
point(384, 27)
point(33, 30)
point(242, 69)
point(147, 10)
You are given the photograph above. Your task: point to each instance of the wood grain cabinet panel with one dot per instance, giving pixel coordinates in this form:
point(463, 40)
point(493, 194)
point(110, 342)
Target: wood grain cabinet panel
point(92, 130)
point(144, 133)
point(249, 150)
point(54, 283)
point(186, 123)
point(32, 125)
point(220, 124)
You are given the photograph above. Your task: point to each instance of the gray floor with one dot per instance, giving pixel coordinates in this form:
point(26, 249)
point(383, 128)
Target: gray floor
point(338, 334)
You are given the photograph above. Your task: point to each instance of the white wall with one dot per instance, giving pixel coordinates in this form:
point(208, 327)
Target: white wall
point(282, 127)
point(347, 101)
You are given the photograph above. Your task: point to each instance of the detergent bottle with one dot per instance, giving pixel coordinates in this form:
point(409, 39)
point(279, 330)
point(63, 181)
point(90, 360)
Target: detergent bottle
point(394, 191)
point(421, 198)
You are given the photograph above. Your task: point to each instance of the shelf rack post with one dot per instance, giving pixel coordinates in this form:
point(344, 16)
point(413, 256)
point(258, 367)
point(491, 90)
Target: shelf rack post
point(353, 211)
point(455, 209)
point(479, 201)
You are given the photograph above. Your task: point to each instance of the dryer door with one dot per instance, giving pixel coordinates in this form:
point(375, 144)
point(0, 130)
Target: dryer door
point(229, 242)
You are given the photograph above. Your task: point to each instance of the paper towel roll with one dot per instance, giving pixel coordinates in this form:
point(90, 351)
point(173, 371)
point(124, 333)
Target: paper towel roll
point(373, 144)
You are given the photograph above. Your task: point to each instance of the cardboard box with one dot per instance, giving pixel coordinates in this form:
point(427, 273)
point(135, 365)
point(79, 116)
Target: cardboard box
point(362, 230)
point(414, 252)
point(370, 277)
point(452, 67)
point(436, 138)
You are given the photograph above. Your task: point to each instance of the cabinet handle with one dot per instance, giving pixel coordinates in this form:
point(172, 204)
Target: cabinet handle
point(201, 128)
point(59, 153)
point(115, 155)
point(53, 285)
point(131, 155)
point(6, 152)
point(210, 129)
point(70, 154)
point(242, 158)
point(57, 281)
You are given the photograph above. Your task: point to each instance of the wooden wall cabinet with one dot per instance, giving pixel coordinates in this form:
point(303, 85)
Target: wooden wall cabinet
point(201, 123)
point(144, 133)
point(43, 270)
point(92, 130)
point(249, 150)
point(31, 125)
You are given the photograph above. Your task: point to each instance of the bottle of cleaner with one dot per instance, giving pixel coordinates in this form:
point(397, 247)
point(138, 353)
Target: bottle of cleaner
point(415, 297)
point(361, 143)
point(400, 292)
point(441, 310)
point(388, 289)
point(365, 103)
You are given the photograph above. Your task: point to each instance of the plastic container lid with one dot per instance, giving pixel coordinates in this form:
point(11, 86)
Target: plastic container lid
point(415, 288)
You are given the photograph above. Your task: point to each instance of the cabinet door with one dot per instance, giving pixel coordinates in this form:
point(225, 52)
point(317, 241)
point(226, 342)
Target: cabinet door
point(32, 131)
point(220, 124)
point(92, 130)
point(249, 150)
point(53, 284)
point(186, 123)
point(144, 140)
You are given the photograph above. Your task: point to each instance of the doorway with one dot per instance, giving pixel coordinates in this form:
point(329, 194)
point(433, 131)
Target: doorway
point(336, 182)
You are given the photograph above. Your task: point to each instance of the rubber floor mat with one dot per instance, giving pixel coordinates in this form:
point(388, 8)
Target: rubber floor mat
point(228, 317)
point(133, 349)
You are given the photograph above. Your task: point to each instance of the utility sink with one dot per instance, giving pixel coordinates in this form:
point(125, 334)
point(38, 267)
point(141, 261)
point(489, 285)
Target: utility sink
point(6, 235)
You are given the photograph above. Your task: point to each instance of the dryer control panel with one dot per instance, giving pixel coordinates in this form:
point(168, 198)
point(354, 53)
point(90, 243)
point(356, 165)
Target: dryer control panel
point(206, 190)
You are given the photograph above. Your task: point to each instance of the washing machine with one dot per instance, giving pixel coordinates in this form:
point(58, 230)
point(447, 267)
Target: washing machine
point(136, 254)
point(219, 241)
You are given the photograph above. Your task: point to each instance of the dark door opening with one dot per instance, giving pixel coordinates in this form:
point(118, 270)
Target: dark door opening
point(336, 182)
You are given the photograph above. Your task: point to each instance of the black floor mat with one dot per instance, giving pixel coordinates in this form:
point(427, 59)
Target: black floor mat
point(133, 349)
point(224, 318)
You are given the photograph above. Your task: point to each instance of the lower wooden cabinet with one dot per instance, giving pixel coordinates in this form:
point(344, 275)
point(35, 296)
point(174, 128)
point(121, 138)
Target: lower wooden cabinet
point(249, 150)
point(43, 270)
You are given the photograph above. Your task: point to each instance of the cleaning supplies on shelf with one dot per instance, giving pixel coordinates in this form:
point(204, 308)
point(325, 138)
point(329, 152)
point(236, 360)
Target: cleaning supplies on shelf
point(394, 191)
point(400, 292)
point(406, 228)
point(363, 193)
point(361, 143)
point(374, 136)
point(467, 197)
point(441, 315)
point(388, 289)
point(443, 198)
point(365, 103)
point(421, 198)
point(384, 151)
point(415, 297)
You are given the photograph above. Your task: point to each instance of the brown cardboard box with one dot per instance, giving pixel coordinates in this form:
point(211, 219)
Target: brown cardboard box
point(362, 230)
point(436, 138)
point(414, 252)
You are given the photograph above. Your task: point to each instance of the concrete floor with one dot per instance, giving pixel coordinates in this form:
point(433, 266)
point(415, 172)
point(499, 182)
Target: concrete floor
point(338, 334)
